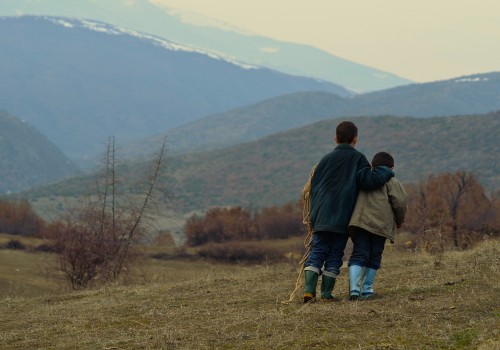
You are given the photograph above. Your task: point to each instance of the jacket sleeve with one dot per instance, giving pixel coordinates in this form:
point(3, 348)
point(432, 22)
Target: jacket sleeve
point(397, 198)
point(371, 179)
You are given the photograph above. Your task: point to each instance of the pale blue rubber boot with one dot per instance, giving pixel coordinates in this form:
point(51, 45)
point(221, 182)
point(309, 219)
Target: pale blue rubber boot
point(355, 281)
point(367, 288)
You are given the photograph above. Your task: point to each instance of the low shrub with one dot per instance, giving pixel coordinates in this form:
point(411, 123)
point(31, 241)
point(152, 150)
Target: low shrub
point(244, 252)
point(45, 248)
point(15, 244)
point(178, 254)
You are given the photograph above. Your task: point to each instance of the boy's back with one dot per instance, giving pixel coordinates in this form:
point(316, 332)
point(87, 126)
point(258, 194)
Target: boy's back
point(380, 211)
point(335, 185)
point(374, 220)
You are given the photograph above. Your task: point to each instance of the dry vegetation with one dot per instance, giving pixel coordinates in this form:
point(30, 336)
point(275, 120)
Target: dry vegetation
point(446, 301)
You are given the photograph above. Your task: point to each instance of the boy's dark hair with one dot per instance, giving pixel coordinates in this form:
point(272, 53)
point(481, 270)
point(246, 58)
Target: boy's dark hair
point(346, 132)
point(383, 158)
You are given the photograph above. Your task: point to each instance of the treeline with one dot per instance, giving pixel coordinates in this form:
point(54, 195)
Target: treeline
point(19, 218)
point(238, 224)
point(449, 209)
point(445, 209)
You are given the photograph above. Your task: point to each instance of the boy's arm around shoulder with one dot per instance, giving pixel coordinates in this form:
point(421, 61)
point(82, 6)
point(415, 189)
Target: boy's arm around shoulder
point(397, 198)
point(371, 179)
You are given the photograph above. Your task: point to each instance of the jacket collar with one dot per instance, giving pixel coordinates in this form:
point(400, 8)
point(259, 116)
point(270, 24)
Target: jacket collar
point(344, 146)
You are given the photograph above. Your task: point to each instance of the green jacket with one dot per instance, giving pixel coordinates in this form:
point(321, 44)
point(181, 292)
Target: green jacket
point(379, 211)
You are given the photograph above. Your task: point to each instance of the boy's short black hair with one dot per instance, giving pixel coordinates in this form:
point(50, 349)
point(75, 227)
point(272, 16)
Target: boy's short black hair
point(383, 158)
point(346, 132)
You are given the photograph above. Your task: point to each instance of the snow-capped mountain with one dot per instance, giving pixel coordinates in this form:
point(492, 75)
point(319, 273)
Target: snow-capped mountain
point(106, 28)
point(81, 81)
point(144, 16)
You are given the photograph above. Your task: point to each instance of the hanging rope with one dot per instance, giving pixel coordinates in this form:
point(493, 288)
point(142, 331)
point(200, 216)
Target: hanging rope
point(306, 219)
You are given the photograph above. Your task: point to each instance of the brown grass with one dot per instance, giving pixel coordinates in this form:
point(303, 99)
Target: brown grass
point(424, 302)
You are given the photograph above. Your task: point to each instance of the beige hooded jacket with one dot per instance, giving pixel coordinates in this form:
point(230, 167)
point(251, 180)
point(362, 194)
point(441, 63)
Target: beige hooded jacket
point(380, 211)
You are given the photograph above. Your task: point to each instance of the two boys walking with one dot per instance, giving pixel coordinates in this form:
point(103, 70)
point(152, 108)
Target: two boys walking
point(337, 211)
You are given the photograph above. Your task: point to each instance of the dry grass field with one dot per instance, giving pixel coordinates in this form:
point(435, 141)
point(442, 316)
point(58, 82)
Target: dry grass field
point(424, 302)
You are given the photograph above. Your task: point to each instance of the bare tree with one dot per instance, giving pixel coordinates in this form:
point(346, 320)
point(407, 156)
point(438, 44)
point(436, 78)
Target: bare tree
point(94, 240)
point(453, 189)
point(449, 207)
point(139, 215)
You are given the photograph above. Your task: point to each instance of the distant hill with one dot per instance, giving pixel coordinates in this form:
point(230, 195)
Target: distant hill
point(244, 124)
point(79, 82)
point(27, 158)
point(474, 94)
point(274, 169)
point(143, 16)
point(478, 93)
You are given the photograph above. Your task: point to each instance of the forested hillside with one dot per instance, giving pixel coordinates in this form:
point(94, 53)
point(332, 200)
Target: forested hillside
point(27, 158)
point(274, 169)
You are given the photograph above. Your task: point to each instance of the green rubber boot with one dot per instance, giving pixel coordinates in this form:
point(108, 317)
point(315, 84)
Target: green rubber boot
point(327, 284)
point(311, 281)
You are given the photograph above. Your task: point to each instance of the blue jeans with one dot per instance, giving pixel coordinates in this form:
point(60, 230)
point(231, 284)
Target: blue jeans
point(367, 250)
point(328, 250)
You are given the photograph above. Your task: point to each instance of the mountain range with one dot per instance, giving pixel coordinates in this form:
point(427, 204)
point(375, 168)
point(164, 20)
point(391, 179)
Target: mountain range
point(80, 81)
point(273, 170)
point(73, 83)
point(473, 94)
point(145, 16)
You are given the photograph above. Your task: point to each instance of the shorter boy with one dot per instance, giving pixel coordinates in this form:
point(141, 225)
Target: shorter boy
point(375, 217)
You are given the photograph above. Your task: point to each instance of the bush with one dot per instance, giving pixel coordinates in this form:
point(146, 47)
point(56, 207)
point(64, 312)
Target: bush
point(219, 225)
point(280, 222)
point(247, 252)
point(19, 218)
point(94, 241)
point(237, 224)
point(450, 210)
point(178, 254)
point(45, 248)
point(89, 245)
point(164, 238)
point(15, 244)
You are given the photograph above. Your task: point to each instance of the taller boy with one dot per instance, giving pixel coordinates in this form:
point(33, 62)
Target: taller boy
point(335, 185)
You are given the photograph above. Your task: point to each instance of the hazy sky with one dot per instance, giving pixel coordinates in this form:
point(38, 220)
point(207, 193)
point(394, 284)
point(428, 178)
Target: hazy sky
point(421, 40)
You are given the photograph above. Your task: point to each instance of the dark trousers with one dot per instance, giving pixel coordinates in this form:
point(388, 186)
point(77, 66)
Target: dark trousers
point(328, 249)
point(367, 250)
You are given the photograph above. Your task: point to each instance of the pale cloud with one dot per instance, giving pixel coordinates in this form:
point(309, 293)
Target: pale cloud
point(200, 20)
point(269, 49)
point(421, 40)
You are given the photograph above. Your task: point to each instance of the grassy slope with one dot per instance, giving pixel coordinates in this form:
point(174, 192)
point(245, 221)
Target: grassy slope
point(26, 274)
point(425, 302)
